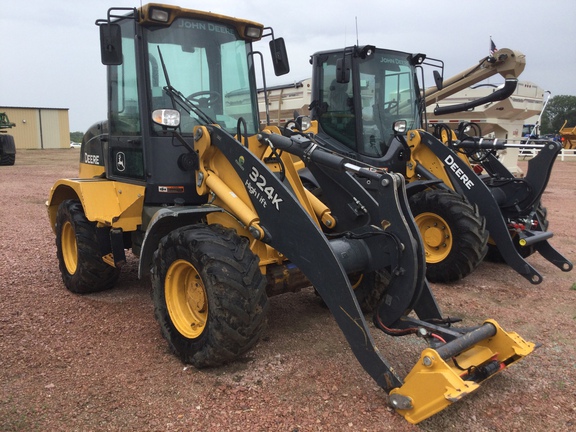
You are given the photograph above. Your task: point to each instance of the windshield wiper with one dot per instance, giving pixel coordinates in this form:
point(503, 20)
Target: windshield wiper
point(180, 99)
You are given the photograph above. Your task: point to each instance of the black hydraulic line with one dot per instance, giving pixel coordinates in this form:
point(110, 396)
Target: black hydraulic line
point(500, 94)
point(480, 144)
point(424, 173)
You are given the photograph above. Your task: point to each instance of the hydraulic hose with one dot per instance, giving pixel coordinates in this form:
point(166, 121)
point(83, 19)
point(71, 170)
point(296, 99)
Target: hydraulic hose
point(307, 150)
point(500, 94)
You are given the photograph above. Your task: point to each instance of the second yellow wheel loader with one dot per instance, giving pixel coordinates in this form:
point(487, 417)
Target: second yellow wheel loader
point(367, 105)
point(215, 211)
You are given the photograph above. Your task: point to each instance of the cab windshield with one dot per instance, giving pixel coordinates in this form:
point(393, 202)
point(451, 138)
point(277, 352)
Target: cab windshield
point(360, 114)
point(210, 65)
point(387, 94)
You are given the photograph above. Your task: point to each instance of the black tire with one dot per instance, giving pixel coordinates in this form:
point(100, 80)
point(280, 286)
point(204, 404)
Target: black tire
point(494, 254)
point(453, 234)
point(7, 159)
point(7, 143)
point(369, 288)
point(209, 294)
point(81, 265)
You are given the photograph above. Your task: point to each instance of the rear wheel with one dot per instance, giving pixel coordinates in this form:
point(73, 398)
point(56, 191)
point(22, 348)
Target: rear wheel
point(80, 262)
point(453, 233)
point(209, 294)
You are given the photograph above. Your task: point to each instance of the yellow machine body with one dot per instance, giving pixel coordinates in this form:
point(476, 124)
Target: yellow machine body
point(109, 203)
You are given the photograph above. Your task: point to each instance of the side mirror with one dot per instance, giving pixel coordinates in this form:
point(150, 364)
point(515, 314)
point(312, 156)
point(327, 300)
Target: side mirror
point(343, 70)
point(279, 56)
point(110, 44)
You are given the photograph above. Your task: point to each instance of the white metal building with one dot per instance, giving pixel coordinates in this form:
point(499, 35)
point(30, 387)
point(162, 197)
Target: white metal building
point(39, 128)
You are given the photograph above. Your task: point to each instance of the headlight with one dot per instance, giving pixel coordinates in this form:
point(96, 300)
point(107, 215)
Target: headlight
point(400, 126)
point(159, 15)
point(253, 32)
point(303, 123)
point(166, 117)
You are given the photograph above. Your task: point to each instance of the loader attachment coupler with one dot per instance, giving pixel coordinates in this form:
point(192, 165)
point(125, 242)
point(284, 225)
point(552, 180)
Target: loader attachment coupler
point(455, 369)
point(457, 360)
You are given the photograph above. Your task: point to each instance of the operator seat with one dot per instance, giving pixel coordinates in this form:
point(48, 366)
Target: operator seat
point(339, 99)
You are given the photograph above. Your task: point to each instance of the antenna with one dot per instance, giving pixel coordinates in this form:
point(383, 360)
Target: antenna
point(356, 18)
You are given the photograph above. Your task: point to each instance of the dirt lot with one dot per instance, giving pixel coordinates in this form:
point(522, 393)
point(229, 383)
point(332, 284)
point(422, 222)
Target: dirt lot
point(98, 362)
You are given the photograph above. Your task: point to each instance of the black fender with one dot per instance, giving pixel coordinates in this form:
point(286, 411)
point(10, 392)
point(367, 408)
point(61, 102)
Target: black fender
point(164, 221)
point(416, 186)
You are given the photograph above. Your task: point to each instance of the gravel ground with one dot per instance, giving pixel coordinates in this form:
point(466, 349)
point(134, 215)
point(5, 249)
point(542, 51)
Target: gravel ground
point(98, 362)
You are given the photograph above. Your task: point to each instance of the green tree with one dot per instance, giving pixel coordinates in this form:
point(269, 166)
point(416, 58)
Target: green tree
point(76, 136)
point(559, 109)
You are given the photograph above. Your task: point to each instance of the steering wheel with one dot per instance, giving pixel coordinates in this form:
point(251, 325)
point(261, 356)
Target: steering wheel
point(388, 106)
point(207, 97)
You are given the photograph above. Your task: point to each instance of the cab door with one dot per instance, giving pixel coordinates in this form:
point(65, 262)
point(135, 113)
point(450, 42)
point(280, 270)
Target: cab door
point(124, 153)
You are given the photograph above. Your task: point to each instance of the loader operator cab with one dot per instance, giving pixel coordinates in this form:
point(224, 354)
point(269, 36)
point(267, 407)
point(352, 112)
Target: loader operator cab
point(169, 70)
point(361, 93)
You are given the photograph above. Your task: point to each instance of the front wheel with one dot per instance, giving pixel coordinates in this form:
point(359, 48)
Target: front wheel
point(83, 270)
point(209, 294)
point(453, 233)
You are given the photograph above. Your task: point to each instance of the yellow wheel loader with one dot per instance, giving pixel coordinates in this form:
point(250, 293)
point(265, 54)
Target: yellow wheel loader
point(368, 106)
point(568, 136)
point(216, 212)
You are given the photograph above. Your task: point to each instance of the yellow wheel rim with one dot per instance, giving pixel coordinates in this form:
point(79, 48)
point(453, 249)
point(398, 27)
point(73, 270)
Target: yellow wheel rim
point(436, 236)
point(356, 279)
point(69, 248)
point(186, 299)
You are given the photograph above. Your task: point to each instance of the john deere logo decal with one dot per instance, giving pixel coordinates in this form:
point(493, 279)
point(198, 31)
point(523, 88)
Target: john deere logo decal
point(120, 161)
point(240, 162)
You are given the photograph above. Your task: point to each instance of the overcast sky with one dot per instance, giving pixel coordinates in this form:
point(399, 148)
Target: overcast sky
point(50, 49)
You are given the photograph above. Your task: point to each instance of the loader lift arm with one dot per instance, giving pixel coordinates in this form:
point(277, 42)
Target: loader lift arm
point(317, 259)
point(495, 197)
point(517, 197)
point(408, 290)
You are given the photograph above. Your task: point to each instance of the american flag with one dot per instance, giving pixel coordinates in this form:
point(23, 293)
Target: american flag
point(493, 48)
